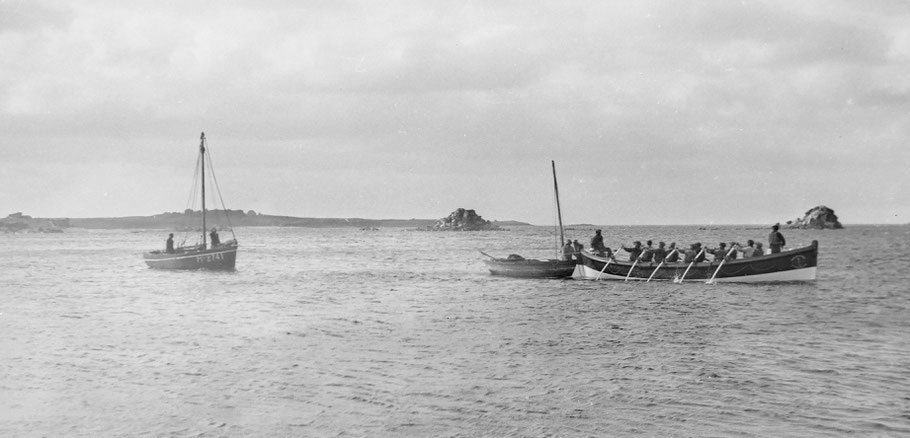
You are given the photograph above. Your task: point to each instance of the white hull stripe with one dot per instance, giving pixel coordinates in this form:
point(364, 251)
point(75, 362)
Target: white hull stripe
point(583, 272)
point(190, 256)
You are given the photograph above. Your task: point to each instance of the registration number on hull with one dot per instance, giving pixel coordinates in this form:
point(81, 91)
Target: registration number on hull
point(209, 257)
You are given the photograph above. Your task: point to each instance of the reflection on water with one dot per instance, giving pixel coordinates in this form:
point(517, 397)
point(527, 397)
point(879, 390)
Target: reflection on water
point(325, 332)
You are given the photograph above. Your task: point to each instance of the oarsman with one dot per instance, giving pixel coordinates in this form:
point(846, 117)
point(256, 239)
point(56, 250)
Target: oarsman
point(672, 253)
point(720, 252)
point(634, 251)
point(749, 250)
point(647, 253)
point(660, 253)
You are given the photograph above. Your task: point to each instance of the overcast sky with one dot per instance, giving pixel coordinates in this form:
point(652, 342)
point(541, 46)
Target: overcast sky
point(656, 112)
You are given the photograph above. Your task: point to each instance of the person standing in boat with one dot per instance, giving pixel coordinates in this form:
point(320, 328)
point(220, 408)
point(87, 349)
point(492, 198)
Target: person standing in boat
point(214, 236)
point(568, 250)
point(776, 240)
point(578, 247)
point(597, 244)
point(169, 244)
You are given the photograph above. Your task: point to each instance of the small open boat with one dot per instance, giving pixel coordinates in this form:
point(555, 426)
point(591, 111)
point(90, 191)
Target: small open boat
point(517, 266)
point(798, 264)
point(202, 255)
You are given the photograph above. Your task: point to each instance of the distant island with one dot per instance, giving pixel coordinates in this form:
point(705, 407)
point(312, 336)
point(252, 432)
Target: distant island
point(189, 219)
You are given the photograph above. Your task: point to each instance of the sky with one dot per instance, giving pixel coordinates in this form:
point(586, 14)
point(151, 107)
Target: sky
point(655, 112)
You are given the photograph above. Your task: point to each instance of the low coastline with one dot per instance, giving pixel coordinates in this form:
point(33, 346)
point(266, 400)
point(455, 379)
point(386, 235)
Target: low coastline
point(18, 222)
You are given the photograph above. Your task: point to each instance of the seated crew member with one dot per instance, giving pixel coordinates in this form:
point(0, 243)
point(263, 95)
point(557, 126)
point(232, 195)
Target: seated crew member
point(634, 251)
point(672, 253)
point(647, 253)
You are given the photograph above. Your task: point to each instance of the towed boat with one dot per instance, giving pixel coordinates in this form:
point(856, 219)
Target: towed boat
point(517, 266)
point(798, 264)
point(212, 255)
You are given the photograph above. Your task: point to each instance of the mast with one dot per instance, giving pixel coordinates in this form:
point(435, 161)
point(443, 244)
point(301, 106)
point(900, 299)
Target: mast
point(562, 237)
point(202, 158)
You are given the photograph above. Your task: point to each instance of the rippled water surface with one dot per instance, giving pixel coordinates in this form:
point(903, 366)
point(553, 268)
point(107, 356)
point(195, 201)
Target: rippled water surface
point(343, 332)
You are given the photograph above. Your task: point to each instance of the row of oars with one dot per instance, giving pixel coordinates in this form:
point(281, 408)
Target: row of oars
point(675, 280)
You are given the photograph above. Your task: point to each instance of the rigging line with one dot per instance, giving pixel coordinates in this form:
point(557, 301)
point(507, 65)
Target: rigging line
point(227, 214)
point(191, 201)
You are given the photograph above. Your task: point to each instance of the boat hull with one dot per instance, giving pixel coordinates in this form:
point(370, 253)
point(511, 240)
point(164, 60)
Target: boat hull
point(220, 258)
point(529, 268)
point(798, 264)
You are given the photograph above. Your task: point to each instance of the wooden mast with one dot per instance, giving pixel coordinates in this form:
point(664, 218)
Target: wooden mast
point(562, 237)
point(202, 157)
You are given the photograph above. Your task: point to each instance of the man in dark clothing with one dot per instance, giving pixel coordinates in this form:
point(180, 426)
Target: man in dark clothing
point(214, 236)
point(776, 240)
point(660, 253)
point(634, 251)
point(647, 253)
point(695, 254)
point(721, 252)
point(597, 244)
point(568, 250)
point(672, 253)
point(578, 247)
point(169, 244)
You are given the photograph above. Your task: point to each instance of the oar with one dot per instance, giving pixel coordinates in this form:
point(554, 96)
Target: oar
point(613, 257)
point(690, 266)
point(494, 258)
point(711, 281)
point(660, 264)
point(631, 269)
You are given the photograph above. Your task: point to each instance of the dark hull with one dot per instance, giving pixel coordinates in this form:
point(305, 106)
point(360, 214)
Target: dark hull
point(794, 265)
point(531, 268)
point(221, 258)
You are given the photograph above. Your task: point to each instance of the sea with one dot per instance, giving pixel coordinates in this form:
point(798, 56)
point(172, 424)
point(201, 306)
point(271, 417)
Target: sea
point(401, 333)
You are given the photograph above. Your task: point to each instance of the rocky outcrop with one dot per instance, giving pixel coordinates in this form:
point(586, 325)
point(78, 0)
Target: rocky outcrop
point(819, 217)
point(464, 220)
point(18, 222)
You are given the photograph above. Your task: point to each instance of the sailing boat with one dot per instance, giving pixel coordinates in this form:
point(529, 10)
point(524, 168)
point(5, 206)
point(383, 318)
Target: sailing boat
point(518, 266)
point(218, 255)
